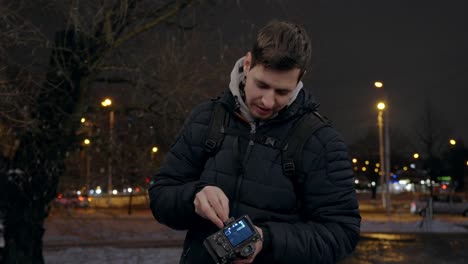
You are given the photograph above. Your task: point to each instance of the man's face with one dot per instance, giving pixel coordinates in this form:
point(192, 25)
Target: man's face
point(267, 91)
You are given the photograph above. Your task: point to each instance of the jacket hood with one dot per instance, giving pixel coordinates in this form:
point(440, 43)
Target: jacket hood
point(300, 102)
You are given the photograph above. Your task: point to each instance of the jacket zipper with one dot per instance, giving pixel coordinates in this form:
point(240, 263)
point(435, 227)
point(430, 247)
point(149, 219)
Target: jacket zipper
point(240, 178)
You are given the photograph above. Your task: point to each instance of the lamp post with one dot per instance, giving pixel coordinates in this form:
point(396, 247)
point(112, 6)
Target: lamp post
point(107, 103)
point(384, 149)
point(381, 107)
point(87, 142)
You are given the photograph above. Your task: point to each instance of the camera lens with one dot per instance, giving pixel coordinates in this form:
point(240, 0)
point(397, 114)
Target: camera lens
point(246, 251)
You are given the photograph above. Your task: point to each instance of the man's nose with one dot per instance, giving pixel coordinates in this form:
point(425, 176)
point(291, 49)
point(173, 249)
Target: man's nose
point(268, 100)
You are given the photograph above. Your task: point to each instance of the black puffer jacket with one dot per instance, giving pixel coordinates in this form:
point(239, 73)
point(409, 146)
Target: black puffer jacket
point(325, 229)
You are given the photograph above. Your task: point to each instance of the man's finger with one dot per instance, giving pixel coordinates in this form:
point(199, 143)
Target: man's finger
point(218, 208)
point(218, 201)
point(204, 209)
point(213, 217)
point(225, 204)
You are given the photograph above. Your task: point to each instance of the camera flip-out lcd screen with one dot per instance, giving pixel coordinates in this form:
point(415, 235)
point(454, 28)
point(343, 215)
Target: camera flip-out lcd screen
point(238, 232)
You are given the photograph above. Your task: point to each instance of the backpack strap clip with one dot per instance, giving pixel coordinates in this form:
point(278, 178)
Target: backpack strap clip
point(216, 129)
point(289, 168)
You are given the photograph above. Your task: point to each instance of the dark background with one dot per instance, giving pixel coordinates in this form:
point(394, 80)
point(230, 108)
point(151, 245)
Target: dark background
point(417, 48)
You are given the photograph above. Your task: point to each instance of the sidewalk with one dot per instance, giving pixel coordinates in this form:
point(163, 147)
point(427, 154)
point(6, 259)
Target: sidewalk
point(400, 220)
point(92, 228)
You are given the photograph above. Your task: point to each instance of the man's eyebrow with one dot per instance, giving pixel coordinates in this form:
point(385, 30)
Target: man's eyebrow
point(260, 82)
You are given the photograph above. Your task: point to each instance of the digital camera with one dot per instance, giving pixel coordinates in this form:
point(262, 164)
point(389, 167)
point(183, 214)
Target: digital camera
point(236, 240)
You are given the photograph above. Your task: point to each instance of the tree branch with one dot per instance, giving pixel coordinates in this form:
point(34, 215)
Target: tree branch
point(151, 24)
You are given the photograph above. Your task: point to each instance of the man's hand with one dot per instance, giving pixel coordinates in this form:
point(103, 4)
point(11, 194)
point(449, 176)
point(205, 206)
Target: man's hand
point(258, 248)
point(211, 203)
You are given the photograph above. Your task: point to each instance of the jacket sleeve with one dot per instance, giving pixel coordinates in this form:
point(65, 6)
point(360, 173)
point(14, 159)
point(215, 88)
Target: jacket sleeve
point(173, 191)
point(330, 224)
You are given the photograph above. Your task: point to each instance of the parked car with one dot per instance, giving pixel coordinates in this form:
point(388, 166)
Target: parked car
point(71, 200)
point(441, 204)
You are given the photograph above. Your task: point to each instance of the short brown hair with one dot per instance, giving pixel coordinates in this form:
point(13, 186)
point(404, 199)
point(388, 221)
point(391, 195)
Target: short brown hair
point(282, 45)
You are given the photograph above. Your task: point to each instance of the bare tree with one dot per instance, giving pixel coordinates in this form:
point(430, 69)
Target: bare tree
point(432, 133)
point(90, 34)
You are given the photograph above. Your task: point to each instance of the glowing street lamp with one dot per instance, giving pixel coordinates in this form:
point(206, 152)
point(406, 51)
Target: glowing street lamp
point(452, 142)
point(381, 106)
point(83, 120)
point(378, 84)
point(384, 148)
point(154, 149)
point(107, 103)
point(87, 141)
point(416, 155)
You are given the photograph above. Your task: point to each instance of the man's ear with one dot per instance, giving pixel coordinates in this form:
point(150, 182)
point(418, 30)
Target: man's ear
point(247, 62)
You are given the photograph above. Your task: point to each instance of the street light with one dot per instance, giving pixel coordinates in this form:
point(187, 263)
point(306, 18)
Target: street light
point(378, 84)
point(154, 149)
point(416, 155)
point(381, 107)
point(107, 103)
point(86, 157)
point(452, 142)
point(384, 148)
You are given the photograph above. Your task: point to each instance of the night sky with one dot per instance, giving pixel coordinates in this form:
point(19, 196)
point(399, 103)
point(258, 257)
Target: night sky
point(419, 49)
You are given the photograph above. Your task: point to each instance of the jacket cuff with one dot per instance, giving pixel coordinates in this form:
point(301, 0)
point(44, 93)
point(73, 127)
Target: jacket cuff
point(200, 185)
point(266, 237)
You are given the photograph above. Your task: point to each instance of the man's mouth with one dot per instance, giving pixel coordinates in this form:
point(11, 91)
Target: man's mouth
point(263, 111)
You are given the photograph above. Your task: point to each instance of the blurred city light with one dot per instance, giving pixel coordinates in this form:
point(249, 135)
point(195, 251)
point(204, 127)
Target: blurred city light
point(381, 106)
point(154, 149)
point(364, 169)
point(416, 155)
point(355, 160)
point(87, 141)
point(115, 192)
point(453, 142)
point(83, 120)
point(378, 84)
point(356, 181)
point(107, 102)
point(367, 162)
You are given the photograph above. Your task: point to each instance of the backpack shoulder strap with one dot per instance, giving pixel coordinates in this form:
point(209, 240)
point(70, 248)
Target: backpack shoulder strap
point(216, 129)
point(295, 141)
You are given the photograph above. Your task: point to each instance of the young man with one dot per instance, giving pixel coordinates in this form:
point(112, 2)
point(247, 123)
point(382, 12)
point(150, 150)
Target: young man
point(315, 220)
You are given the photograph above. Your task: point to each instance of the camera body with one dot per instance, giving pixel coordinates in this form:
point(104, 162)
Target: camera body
point(236, 240)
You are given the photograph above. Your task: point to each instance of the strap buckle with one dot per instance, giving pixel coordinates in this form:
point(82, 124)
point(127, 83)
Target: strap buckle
point(289, 168)
point(210, 145)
